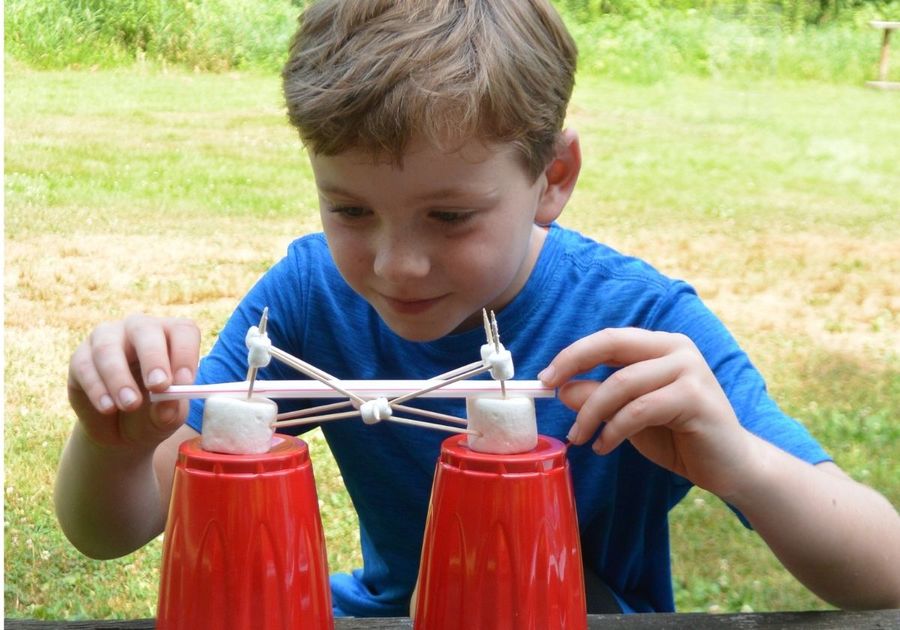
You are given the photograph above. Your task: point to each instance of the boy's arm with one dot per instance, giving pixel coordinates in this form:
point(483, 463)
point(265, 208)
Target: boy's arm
point(112, 501)
point(841, 539)
point(109, 498)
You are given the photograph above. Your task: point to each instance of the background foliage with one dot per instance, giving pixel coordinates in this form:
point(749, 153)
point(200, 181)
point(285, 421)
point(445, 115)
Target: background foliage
point(636, 40)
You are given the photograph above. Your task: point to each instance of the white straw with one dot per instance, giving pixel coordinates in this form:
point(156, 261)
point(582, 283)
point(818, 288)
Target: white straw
point(360, 389)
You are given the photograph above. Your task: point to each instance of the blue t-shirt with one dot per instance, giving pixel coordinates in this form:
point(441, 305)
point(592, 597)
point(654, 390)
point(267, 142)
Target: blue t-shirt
point(577, 287)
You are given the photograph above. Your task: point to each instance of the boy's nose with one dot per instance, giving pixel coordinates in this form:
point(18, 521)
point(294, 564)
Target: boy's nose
point(398, 261)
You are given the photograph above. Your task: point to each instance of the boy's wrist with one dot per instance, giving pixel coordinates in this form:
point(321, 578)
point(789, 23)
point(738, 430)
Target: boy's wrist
point(123, 452)
point(756, 475)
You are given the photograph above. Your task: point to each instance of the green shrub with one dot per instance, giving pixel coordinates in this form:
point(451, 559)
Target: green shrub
point(666, 42)
point(640, 41)
point(202, 34)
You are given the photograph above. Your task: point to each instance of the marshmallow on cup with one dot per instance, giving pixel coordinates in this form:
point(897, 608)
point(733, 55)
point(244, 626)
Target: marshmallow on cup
point(238, 426)
point(506, 425)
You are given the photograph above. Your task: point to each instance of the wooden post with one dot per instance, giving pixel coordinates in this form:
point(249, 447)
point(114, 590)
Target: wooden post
point(883, 63)
point(882, 81)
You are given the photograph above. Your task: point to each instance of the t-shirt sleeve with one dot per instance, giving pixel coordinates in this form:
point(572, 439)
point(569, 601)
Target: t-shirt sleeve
point(681, 310)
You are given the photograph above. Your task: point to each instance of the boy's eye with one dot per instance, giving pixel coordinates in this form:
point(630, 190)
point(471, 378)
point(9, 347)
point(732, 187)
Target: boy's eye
point(453, 217)
point(349, 212)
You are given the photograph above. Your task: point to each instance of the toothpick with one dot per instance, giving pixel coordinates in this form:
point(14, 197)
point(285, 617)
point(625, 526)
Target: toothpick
point(251, 372)
point(418, 423)
point(487, 326)
point(350, 414)
point(495, 332)
point(496, 336)
point(302, 366)
point(431, 425)
point(460, 370)
point(439, 384)
point(430, 414)
point(314, 372)
point(315, 419)
point(309, 411)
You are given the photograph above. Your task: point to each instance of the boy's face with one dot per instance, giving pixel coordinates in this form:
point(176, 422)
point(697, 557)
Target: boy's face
point(429, 244)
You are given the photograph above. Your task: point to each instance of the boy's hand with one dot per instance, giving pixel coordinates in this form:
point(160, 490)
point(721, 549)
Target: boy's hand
point(112, 371)
point(664, 399)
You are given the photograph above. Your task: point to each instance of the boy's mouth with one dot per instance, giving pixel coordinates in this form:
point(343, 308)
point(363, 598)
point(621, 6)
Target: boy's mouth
point(410, 306)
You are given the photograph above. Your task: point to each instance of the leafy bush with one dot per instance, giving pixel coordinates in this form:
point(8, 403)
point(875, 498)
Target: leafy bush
point(639, 41)
point(790, 12)
point(203, 34)
point(666, 42)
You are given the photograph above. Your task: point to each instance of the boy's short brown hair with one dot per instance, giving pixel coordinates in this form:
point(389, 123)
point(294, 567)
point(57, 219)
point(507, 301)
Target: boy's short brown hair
point(373, 74)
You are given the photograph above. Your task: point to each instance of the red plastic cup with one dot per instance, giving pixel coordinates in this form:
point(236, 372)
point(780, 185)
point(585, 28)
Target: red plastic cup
point(501, 546)
point(244, 546)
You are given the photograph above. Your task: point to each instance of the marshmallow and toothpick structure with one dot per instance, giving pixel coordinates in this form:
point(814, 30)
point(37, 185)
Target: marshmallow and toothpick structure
point(371, 400)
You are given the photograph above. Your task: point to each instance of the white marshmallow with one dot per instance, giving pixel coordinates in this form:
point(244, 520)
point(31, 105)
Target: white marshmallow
point(374, 411)
point(259, 346)
point(506, 425)
point(500, 361)
point(237, 425)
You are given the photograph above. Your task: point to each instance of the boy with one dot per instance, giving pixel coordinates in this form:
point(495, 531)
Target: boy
point(435, 134)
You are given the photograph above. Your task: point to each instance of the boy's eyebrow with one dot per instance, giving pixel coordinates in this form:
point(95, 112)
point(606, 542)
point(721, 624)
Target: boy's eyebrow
point(334, 189)
point(454, 193)
point(449, 192)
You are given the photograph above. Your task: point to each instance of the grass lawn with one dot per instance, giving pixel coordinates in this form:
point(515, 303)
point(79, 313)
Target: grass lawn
point(133, 190)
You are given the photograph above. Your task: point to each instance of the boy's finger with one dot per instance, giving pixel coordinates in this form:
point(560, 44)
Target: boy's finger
point(168, 415)
point(85, 384)
point(148, 338)
point(622, 387)
point(656, 408)
point(574, 393)
point(184, 349)
point(111, 356)
point(611, 346)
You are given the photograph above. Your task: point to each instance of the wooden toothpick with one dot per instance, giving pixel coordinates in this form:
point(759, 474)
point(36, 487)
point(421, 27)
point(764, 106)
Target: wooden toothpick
point(314, 372)
point(430, 414)
point(439, 384)
point(431, 425)
point(311, 411)
point(488, 335)
point(251, 371)
point(457, 371)
point(496, 336)
point(315, 419)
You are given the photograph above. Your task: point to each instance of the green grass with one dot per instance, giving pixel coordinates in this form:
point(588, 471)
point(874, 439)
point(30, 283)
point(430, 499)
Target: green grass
point(170, 192)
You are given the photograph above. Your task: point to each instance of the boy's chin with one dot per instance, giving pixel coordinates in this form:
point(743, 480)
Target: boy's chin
point(418, 333)
point(423, 331)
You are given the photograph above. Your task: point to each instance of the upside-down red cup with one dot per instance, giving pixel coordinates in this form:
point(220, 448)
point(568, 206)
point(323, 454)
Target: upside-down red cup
point(501, 547)
point(244, 546)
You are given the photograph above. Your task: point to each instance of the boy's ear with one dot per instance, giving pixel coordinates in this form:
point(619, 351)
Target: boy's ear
point(561, 175)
